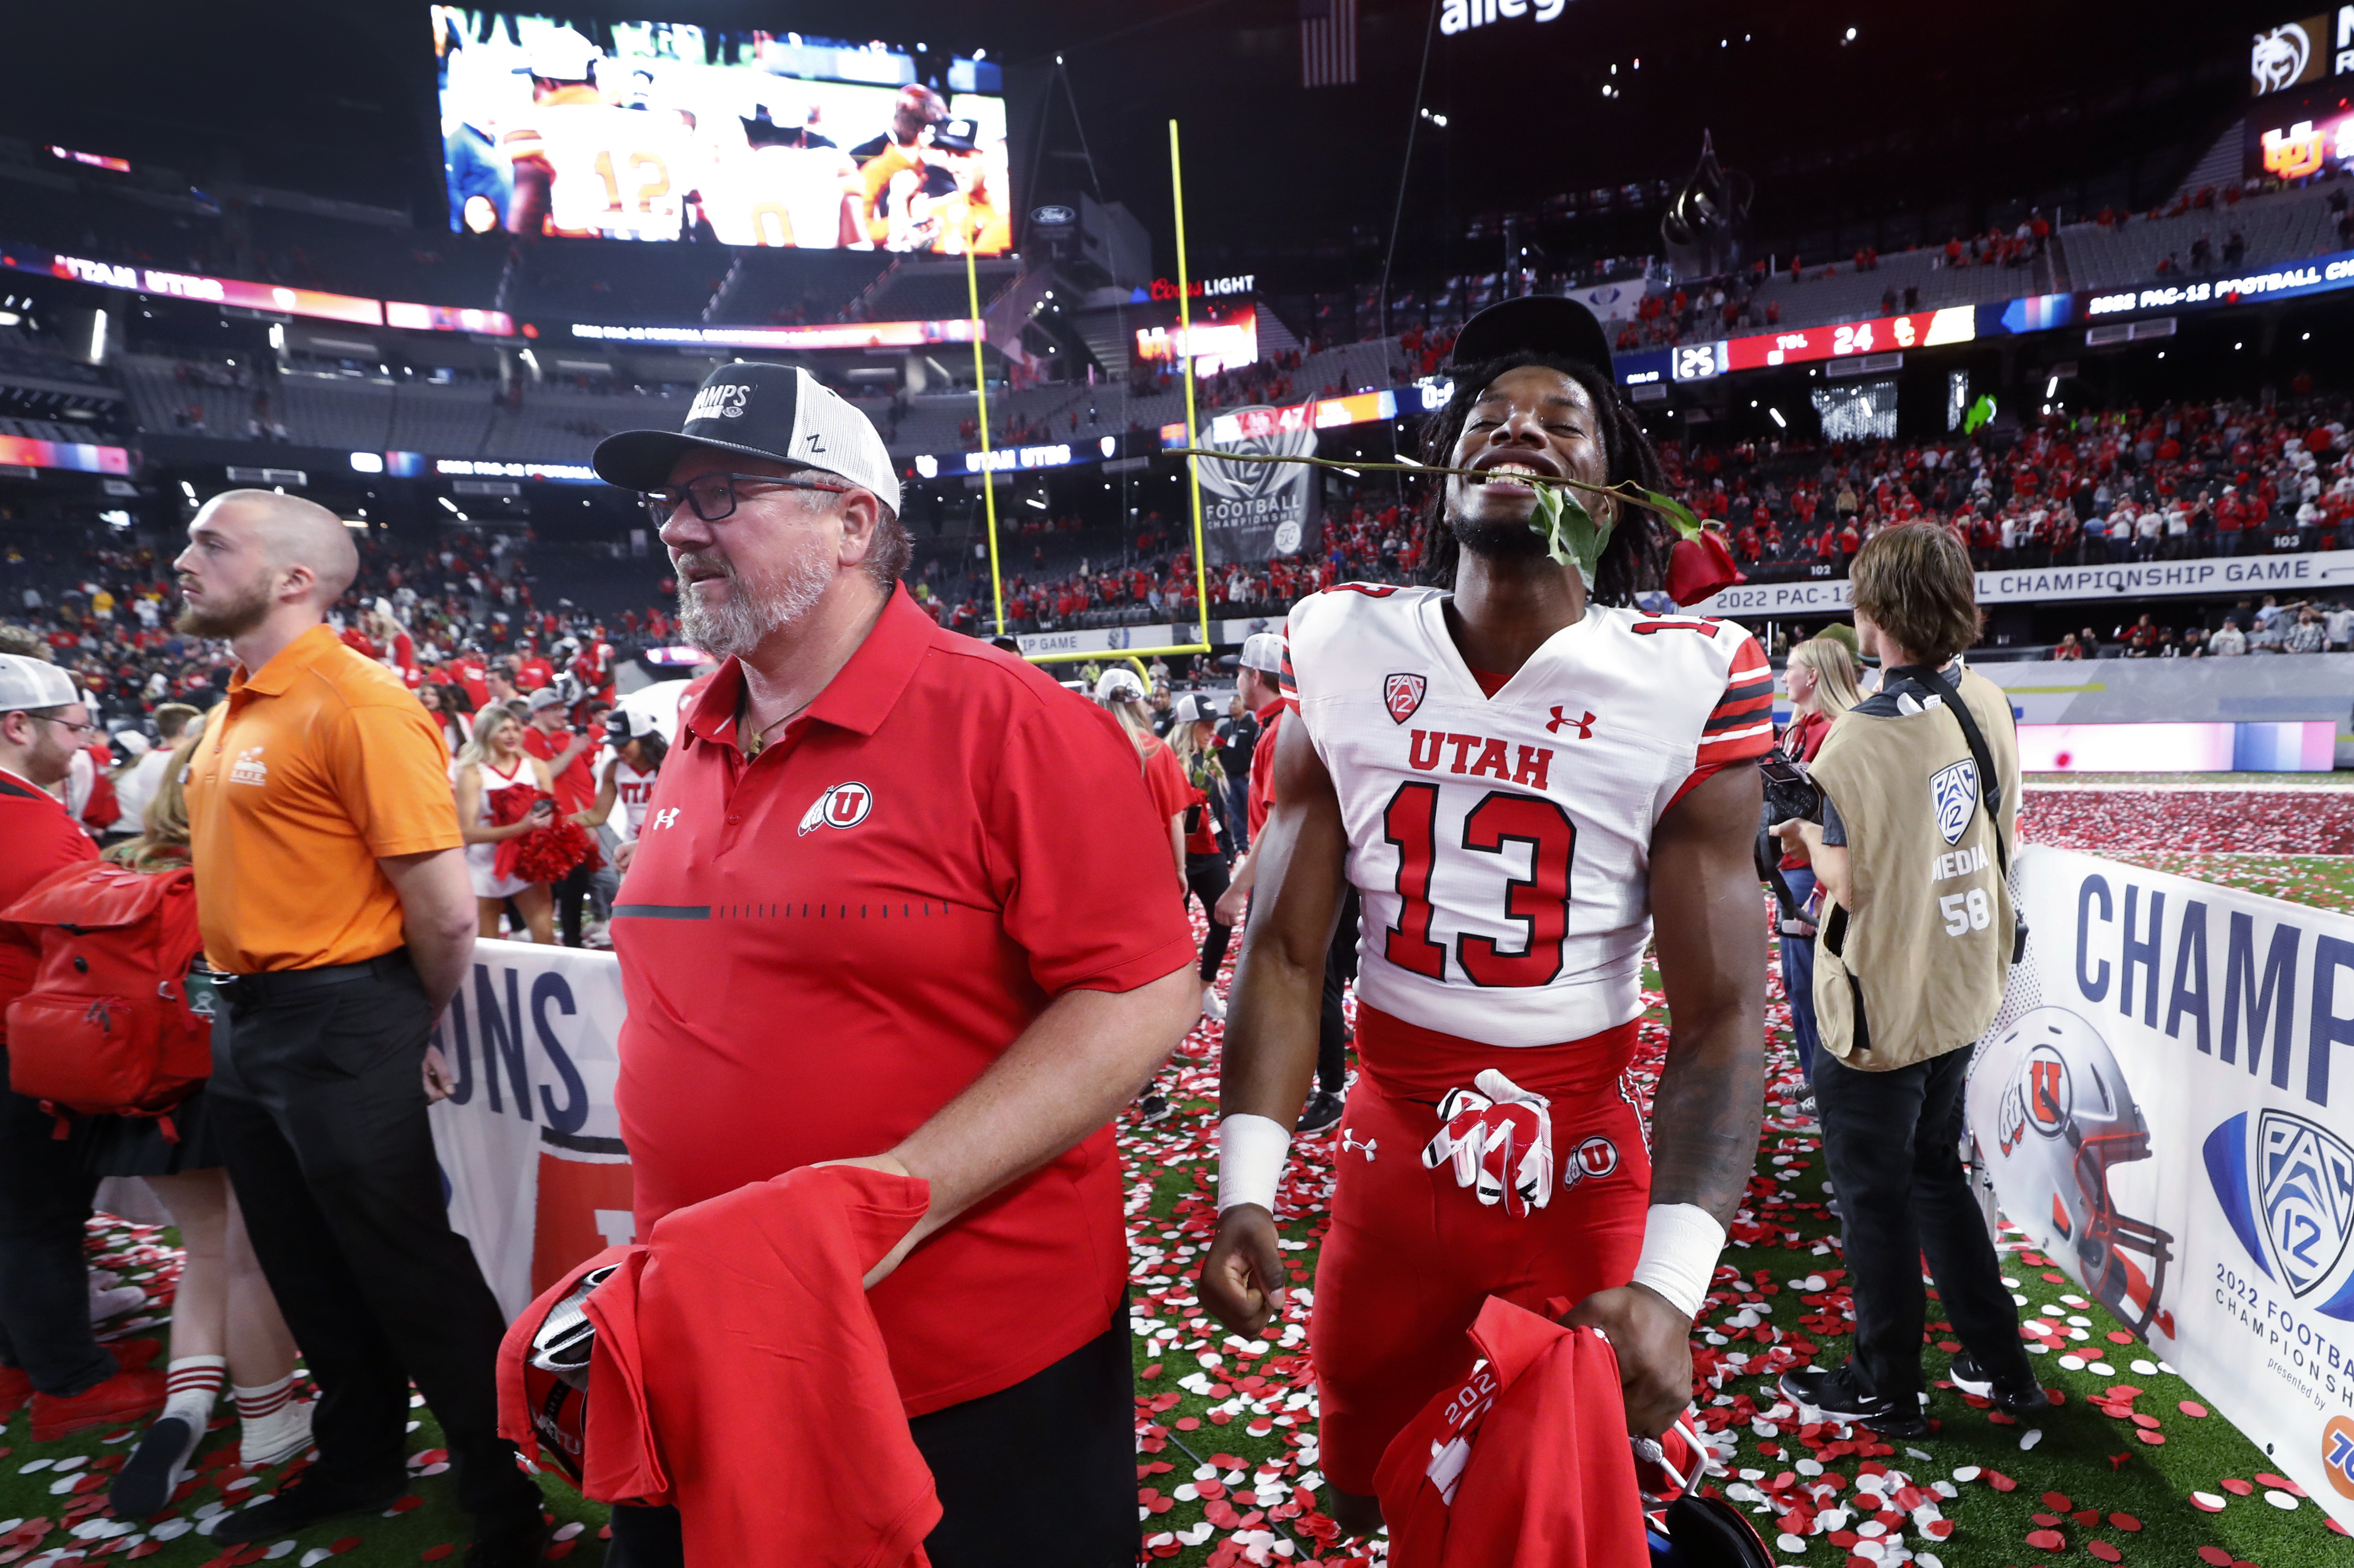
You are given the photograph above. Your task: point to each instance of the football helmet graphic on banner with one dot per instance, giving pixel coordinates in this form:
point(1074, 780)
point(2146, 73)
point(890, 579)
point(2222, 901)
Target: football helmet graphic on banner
point(2053, 1119)
point(1498, 1137)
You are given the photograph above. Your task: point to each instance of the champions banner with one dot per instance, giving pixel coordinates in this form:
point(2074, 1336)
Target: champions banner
point(1252, 512)
point(2164, 1109)
point(532, 1162)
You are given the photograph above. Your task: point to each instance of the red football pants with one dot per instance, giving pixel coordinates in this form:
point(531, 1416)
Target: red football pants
point(1411, 1256)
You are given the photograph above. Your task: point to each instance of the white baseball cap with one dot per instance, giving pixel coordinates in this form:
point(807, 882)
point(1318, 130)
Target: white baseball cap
point(561, 54)
point(27, 683)
point(1263, 652)
point(780, 412)
point(1118, 686)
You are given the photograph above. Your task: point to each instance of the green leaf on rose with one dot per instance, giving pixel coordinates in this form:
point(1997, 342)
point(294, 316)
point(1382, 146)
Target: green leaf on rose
point(1571, 535)
point(1678, 515)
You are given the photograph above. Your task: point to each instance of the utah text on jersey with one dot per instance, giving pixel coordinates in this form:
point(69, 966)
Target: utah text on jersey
point(1503, 845)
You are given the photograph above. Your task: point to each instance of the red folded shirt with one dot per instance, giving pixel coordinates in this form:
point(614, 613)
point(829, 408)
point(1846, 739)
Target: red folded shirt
point(738, 1376)
point(1526, 1464)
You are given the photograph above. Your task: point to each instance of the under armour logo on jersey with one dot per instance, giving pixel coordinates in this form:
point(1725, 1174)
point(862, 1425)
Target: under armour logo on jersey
point(664, 817)
point(1349, 1141)
point(1584, 724)
point(843, 806)
point(1402, 694)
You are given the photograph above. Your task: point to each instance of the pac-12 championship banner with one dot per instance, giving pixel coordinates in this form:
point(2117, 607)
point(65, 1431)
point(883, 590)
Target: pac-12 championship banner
point(2164, 1109)
point(531, 1152)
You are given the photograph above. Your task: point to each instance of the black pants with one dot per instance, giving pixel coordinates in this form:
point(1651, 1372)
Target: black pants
point(1059, 1446)
point(571, 894)
point(1892, 1143)
point(321, 1112)
point(1205, 879)
point(43, 1280)
point(1332, 1024)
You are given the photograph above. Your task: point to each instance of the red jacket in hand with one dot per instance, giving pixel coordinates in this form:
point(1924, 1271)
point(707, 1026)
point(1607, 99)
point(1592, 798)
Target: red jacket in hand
point(1525, 1465)
point(738, 1376)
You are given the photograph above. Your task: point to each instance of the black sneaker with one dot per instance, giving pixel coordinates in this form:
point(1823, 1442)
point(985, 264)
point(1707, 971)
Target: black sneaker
point(143, 1487)
point(2023, 1398)
point(1151, 1108)
point(1321, 1113)
point(1838, 1395)
point(518, 1545)
point(302, 1505)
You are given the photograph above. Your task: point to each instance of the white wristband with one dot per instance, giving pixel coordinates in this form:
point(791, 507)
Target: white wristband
point(1251, 1152)
point(1681, 1243)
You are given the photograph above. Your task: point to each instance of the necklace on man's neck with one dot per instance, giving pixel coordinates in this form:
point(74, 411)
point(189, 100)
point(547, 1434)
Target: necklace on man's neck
point(754, 746)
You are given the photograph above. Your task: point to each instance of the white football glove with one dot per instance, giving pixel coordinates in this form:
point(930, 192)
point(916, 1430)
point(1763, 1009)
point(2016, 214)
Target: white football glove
point(1498, 1137)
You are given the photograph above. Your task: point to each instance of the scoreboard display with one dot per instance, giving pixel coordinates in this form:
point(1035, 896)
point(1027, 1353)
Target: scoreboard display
point(1798, 345)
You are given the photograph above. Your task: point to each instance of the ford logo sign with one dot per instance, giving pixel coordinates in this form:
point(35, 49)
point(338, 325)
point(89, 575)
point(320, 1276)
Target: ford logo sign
point(1052, 215)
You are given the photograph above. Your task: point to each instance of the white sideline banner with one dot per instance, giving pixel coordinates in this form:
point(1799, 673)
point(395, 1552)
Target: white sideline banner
point(532, 1162)
point(2164, 1111)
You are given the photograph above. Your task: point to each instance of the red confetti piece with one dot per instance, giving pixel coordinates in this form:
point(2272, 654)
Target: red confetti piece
point(2104, 1552)
point(343, 1544)
point(2120, 1337)
point(2237, 1487)
point(2199, 1500)
point(435, 1554)
point(2279, 1483)
point(2192, 1408)
point(2340, 1528)
point(1188, 1424)
point(2058, 1502)
point(2124, 1521)
point(2047, 1541)
point(2215, 1555)
point(562, 1550)
point(402, 1505)
point(2155, 1439)
point(2000, 1482)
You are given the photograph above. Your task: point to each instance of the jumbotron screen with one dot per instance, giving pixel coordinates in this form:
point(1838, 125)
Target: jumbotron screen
point(665, 131)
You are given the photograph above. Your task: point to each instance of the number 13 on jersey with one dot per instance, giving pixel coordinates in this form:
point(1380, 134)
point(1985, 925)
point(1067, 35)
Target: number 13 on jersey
point(1538, 903)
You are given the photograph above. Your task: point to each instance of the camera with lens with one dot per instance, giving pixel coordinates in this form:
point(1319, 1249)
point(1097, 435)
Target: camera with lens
point(1790, 796)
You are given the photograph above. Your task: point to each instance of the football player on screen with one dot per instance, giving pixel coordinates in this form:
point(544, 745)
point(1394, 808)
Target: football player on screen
point(587, 168)
point(1518, 777)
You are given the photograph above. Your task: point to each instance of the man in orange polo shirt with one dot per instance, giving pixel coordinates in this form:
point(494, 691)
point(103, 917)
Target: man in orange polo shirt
point(332, 896)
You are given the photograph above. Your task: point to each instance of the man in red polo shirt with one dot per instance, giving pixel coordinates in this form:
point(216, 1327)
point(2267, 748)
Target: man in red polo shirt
point(899, 900)
point(48, 1353)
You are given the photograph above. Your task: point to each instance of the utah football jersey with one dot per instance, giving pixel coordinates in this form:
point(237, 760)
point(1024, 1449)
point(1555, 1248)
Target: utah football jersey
point(1501, 844)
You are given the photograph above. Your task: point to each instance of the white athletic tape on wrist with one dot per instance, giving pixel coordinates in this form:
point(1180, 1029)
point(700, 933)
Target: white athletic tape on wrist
point(1251, 1152)
point(1680, 1243)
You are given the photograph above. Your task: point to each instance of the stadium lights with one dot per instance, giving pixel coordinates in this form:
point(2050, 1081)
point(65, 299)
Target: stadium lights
point(1779, 423)
point(1851, 36)
point(10, 318)
point(1033, 501)
point(2238, 346)
point(447, 502)
point(97, 337)
point(189, 490)
point(1352, 473)
point(2306, 338)
point(2050, 387)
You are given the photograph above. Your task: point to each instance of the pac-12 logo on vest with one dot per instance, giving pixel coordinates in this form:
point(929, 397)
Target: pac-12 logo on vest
point(723, 401)
point(843, 806)
point(1402, 694)
point(1953, 794)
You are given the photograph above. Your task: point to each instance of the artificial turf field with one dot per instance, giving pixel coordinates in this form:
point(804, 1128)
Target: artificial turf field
point(1226, 1428)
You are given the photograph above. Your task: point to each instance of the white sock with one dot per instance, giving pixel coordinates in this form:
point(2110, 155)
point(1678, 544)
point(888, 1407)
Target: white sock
point(275, 1425)
point(193, 1385)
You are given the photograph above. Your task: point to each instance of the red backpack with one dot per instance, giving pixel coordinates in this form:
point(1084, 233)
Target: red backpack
point(109, 1027)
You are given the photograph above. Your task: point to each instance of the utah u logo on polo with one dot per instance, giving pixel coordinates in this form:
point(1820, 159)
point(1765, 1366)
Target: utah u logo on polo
point(843, 806)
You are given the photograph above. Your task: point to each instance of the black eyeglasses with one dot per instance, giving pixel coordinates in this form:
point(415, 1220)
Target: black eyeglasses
point(712, 496)
point(62, 723)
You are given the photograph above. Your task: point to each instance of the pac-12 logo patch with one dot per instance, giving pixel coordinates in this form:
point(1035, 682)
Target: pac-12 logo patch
point(1954, 795)
point(1402, 694)
point(843, 806)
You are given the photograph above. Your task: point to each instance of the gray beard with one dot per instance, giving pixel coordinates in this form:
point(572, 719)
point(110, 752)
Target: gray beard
point(752, 612)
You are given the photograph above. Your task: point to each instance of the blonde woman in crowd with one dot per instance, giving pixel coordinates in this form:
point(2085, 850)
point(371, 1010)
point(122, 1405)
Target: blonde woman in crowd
point(226, 1325)
point(492, 762)
point(1821, 680)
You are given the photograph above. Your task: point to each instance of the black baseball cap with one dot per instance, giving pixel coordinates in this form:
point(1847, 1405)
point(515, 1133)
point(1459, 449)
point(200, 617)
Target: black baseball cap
point(1541, 323)
point(956, 135)
point(780, 412)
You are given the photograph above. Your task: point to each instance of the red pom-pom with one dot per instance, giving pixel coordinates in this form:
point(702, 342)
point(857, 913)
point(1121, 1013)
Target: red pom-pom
point(543, 854)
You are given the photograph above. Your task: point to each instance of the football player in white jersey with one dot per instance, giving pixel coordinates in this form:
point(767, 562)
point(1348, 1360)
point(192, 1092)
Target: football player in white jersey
point(1519, 775)
point(587, 168)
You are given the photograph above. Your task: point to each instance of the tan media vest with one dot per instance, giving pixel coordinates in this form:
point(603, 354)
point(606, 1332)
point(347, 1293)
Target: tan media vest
point(1917, 968)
